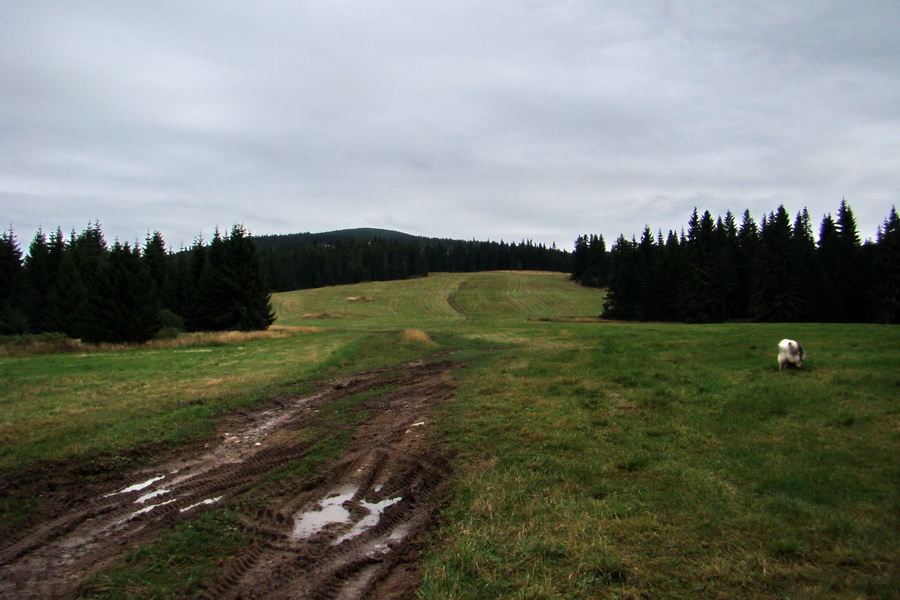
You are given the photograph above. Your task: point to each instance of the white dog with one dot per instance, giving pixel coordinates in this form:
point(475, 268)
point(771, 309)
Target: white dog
point(790, 352)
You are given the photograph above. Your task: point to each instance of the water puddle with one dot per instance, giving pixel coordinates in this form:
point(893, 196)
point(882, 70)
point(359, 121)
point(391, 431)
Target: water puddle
point(334, 510)
point(137, 487)
point(147, 509)
point(371, 520)
point(153, 494)
point(330, 510)
point(207, 501)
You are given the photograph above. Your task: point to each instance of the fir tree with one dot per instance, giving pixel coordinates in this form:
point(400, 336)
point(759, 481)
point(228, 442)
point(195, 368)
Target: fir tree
point(886, 271)
point(12, 318)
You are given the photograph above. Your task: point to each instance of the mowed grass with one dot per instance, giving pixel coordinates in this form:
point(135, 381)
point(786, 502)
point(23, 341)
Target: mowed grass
point(594, 459)
point(610, 460)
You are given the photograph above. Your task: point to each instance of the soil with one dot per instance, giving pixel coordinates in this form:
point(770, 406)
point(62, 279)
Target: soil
point(354, 528)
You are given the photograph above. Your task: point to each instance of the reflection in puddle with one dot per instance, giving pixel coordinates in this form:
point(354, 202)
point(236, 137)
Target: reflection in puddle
point(207, 501)
point(138, 486)
point(330, 511)
point(371, 520)
point(154, 494)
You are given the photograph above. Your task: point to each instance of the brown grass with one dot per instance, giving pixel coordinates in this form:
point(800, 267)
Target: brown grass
point(42, 345)
point(418, 336)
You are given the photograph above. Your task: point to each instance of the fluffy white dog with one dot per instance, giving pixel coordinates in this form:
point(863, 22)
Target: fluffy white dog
point(790, 352)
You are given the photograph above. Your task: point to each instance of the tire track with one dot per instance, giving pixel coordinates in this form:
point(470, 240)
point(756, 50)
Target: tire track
point(339, 533)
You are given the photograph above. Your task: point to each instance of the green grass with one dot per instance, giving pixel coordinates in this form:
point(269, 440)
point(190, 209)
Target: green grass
point(171, 567)
point(675, 461)
point(595, 459)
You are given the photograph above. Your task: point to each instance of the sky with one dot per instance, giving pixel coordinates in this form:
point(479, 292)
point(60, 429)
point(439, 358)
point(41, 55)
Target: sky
point(503, 120)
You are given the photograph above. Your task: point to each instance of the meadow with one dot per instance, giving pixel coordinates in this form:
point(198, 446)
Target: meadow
point(594, 459)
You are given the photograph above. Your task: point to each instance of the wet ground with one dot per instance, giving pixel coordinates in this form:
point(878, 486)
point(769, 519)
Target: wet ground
point(353, 529)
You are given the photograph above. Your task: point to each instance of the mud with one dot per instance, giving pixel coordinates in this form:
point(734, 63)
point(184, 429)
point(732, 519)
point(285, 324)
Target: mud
point(353, 529)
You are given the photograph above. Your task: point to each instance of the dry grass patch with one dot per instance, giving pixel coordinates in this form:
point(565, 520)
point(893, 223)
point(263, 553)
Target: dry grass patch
point(59, 343)
point(418, 336)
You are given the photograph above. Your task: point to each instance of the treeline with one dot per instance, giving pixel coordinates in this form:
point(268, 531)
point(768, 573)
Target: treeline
point(314, 260)
point(85, 288)
point(774, 272)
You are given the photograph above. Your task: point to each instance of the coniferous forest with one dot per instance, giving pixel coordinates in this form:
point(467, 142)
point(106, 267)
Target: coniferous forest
point(84, 288)
point(309, 260)
point(716, 270)
point(774, 271)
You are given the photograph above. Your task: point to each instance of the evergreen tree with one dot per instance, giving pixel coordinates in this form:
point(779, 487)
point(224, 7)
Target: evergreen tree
point(775, 294)
point(701, 297)
point(12, 318)
point(829, 257)
point(622, 295)
point(885, 290)
point(806, 268)
point(725, 269)
point(128, 309)
point(850, 278)
point(251, 298)
point(747, 241)
point(158, 264)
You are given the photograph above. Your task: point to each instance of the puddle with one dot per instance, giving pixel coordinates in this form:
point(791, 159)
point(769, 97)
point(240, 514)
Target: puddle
point(207, 501)
point(138, 486)
point(330, 511)
point(154, 494)
point(371, 520)
point(147, 509)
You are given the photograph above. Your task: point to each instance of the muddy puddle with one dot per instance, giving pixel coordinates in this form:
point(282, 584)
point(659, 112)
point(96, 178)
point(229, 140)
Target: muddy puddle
point(352, 530)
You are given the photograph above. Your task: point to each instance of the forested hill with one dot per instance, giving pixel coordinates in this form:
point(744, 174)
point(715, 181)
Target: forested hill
point(309, 260)
point(291, 240)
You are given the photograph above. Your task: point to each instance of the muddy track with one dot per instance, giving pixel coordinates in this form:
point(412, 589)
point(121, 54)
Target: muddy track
point(353, 529)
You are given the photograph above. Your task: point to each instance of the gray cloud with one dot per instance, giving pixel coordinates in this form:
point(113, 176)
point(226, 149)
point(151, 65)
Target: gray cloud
point(514, 119)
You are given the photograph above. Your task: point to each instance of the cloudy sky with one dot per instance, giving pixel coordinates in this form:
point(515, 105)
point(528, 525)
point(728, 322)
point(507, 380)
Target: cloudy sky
point(488, 120)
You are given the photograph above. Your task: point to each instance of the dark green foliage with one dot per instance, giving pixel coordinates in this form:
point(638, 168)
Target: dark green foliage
point(231, 288)
point(775, 272)
point(590, 261)
point(12, 319)
point(308, 260)
point(87, 290)
point(885, 275)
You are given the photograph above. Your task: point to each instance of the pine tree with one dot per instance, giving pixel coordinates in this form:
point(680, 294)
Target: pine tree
point(885, 289)
point(747, 240)
point(701, 298)
point(851, 278)
point(251, 298)
point(158, 264)
point(829, 257)
point(621, 297)
point(775, 297)
point(12, 318)
point(128, 309)
point(807, 273)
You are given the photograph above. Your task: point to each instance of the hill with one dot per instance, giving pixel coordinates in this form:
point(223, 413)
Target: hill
point(347, 256)
point(290, 240)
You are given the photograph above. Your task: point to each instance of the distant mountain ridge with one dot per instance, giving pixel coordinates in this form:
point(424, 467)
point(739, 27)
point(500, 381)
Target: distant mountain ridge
point(358, 234)
point(308, 260)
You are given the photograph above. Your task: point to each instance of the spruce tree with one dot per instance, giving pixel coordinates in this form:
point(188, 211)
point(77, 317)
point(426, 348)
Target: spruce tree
point(747, 241)
point(806, 269)
point(251, 298)
point(885, 289)
point(12, 318)
point(128, 309)
point(775, 297)
point(850, 279)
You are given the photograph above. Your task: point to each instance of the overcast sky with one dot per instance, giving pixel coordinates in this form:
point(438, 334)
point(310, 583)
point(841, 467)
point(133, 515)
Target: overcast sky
point(488, 120)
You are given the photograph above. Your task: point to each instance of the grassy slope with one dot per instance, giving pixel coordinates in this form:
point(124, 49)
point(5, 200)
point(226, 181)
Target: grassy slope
point(601, 459)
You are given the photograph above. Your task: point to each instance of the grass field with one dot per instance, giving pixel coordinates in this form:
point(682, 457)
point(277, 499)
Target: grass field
point(595, 459)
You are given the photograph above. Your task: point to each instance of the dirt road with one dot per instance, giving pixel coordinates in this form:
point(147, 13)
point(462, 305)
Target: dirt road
point(352, 529)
